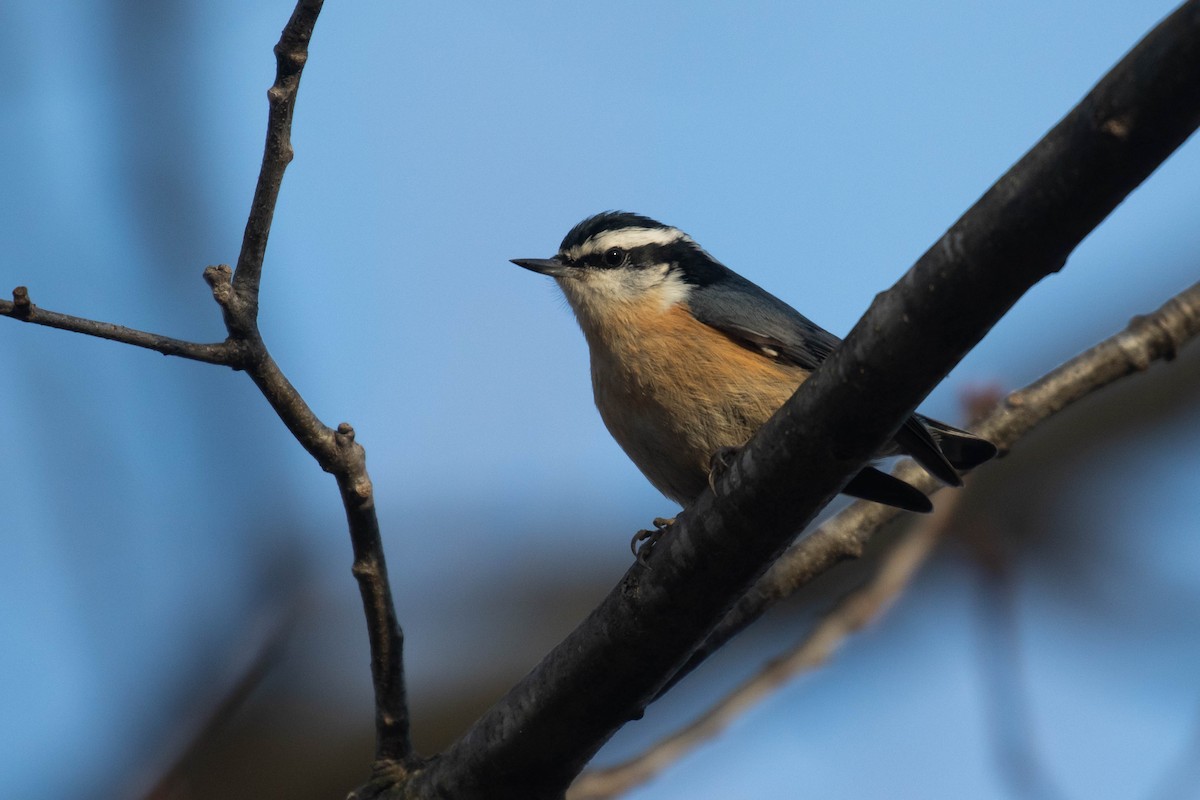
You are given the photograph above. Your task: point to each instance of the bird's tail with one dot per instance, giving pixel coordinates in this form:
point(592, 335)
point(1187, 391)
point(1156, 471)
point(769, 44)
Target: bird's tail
point(963, 449)
point(880, 487)
point(942, 449)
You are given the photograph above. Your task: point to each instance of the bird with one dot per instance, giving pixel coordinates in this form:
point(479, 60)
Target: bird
point(689, 358)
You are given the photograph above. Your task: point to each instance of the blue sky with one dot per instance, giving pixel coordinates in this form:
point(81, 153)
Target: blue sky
point(818, 149)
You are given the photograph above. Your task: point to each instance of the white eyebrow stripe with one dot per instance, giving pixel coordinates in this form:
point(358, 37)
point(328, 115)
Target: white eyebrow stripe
point(627, 239)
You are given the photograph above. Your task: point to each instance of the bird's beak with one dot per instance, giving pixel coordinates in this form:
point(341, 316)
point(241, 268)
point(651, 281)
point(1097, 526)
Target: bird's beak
point(546, 266)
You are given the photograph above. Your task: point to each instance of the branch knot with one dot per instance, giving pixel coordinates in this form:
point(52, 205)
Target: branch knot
point(220, 279)
point(22, 307)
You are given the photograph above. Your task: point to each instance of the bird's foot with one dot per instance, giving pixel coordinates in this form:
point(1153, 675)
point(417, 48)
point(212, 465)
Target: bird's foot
point(643, 541)
point(720, 461)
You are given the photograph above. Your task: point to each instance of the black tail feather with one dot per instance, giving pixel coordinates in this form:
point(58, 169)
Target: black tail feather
point(916, 440)
point(963, 449)
point(942, 449)
point(880, 487)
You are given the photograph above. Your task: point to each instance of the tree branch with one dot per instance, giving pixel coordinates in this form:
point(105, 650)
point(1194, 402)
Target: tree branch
point(536, 739)
point(336, 451)
point(20, 308)
point(291, 53)
point(237, 293)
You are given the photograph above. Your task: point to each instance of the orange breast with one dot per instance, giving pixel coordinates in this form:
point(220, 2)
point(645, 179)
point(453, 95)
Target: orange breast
point(672, 391)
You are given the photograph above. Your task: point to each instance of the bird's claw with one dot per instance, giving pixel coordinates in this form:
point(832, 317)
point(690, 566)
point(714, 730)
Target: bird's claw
point(720, 461)
point(644, 540)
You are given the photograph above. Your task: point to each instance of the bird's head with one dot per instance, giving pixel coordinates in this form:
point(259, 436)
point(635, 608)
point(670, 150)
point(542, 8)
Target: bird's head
point(615, 261)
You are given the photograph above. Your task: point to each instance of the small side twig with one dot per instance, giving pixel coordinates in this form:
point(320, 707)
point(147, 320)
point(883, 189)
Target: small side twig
point(21, 308)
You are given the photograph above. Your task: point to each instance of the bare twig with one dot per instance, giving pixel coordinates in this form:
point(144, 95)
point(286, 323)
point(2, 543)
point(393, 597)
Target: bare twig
point(291, 53)
point(851, 614)
point(20, 308)
point(535, 740)
point(1155, 337)
point(337, 452)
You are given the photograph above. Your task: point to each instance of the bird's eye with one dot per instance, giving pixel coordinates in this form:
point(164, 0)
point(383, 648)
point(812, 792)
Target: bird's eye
point(614, 257)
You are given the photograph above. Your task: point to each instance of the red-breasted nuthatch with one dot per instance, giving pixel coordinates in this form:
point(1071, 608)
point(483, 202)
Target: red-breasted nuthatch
point(689, 359)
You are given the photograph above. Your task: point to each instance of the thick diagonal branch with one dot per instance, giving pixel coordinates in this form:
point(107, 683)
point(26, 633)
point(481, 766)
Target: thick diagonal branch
point(534, 740)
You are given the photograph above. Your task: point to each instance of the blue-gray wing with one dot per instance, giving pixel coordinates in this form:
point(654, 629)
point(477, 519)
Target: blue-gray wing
point(761, 321)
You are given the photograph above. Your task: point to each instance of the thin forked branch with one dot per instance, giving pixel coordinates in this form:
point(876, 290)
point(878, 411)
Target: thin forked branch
point(337, 452)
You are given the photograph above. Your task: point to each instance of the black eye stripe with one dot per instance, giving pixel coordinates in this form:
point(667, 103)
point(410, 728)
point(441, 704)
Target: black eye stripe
point(647, 255)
